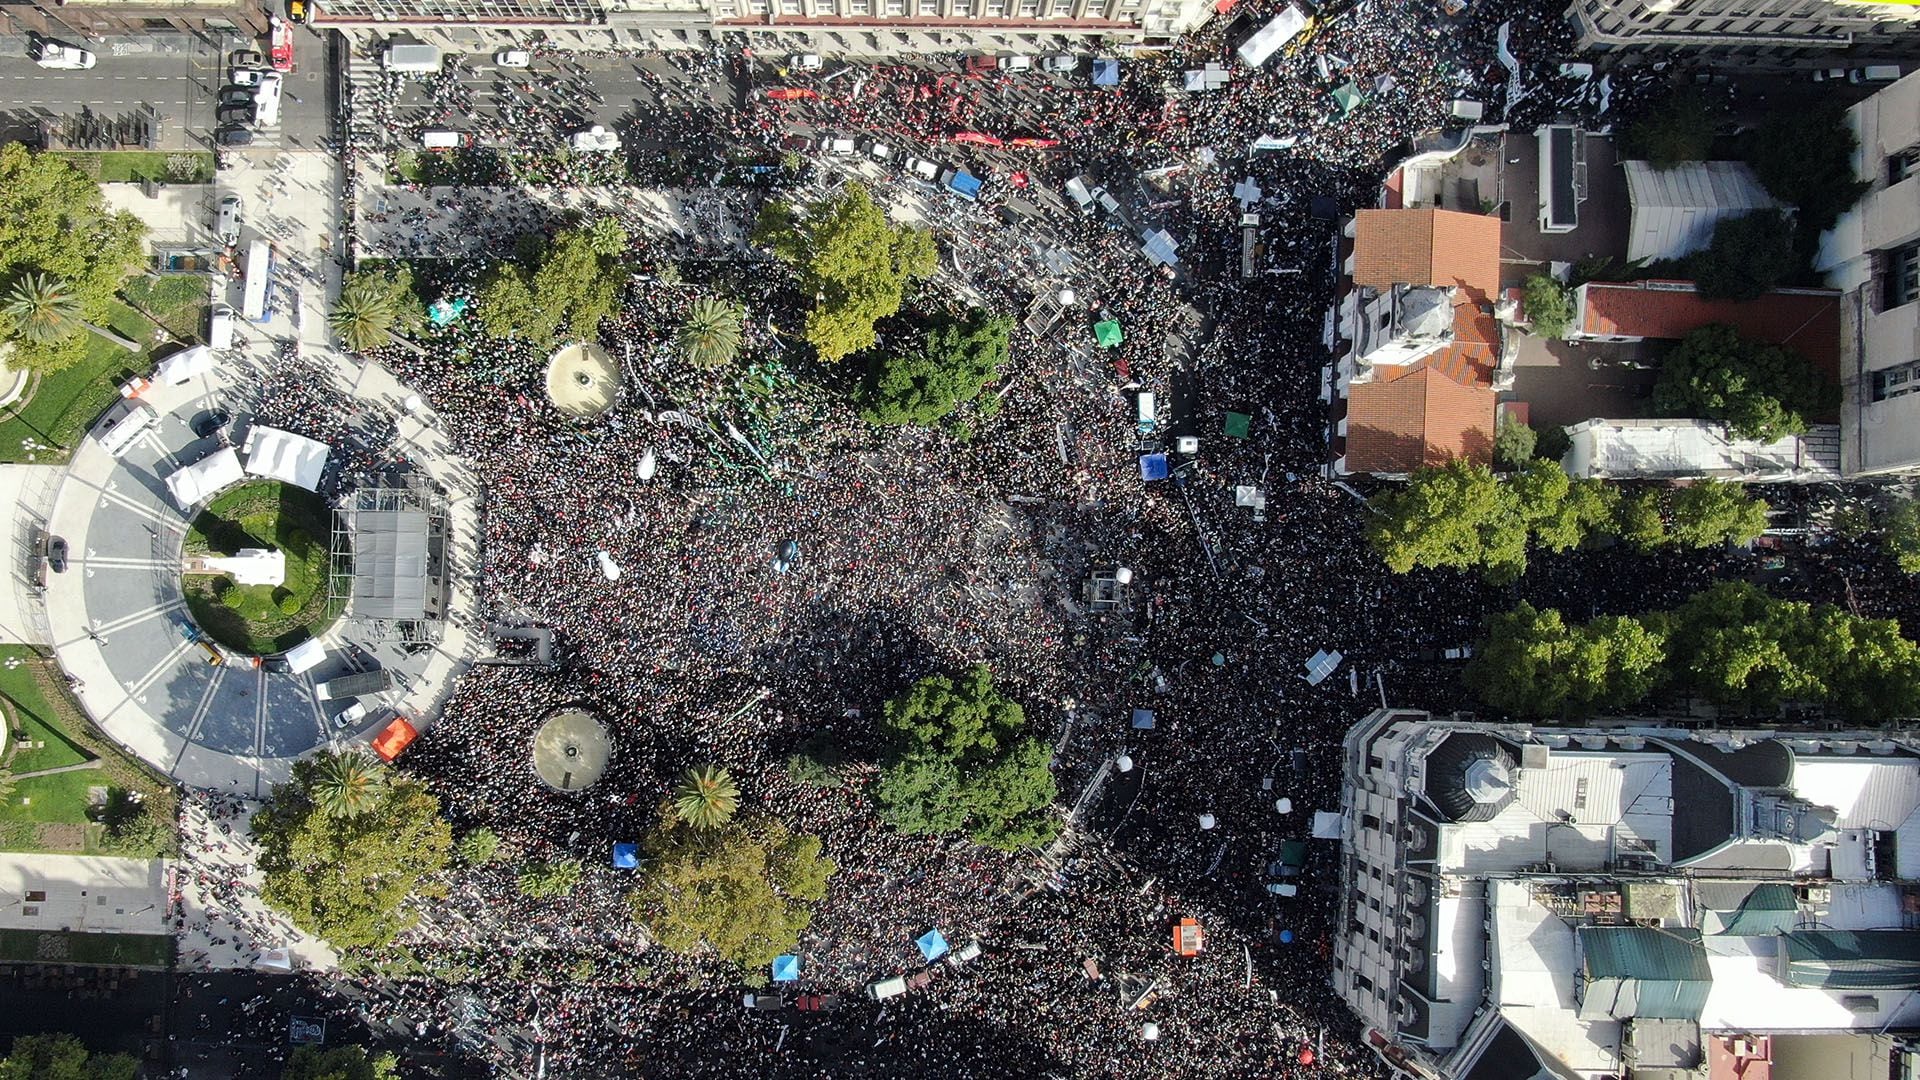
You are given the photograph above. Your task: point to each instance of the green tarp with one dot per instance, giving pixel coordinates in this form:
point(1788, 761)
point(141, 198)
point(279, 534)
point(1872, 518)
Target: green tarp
point(1238, 424)
point(1107, 333)
point(1348, 97)
point(1853, 959)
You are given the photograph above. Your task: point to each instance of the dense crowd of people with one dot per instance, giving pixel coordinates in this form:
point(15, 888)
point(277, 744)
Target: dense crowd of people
point(922, 551)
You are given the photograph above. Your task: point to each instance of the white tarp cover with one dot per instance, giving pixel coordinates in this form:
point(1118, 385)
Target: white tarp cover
point(1268, 40)
point(305, 656)
point(191, 486)
point(282, 455)
point(595, 138)
point(184, 365)
point(1327, 825)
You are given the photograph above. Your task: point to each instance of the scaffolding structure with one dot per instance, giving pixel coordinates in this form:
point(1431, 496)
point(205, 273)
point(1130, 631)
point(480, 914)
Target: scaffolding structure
point(388, 564)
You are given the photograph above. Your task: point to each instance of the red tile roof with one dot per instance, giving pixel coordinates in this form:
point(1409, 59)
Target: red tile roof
point(1417, 416)
point(1428, 247)
point(1804, 320)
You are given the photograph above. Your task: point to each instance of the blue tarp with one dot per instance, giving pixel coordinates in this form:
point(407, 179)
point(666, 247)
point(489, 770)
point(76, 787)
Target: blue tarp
point(1106, 73)
point(786, 968)
point(964, 184)
point(932, 945)
point(1143, 719)
point(1153, 466)
point(626, 856)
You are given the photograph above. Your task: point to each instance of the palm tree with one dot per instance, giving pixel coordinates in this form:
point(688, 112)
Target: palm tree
point(710, 337)
point(705, 797)
point(43, 309)
point(363, 317)
point(346, 785)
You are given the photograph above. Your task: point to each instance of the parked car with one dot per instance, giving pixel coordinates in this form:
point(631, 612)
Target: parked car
point(209, 423)
point(297, 11)
point(57, 555)
point(236, 114)
point(921, 167)
point(1016, 63)
point(878, 151)
point(235, 95)
point(514, 58)
point(52, 54)
point(247, 58)
point(838, 145)
point(233, 136)
point(1838, 74)
point(1061, 63)
point(245, 76)
point(805, 61)
point(1874, 73)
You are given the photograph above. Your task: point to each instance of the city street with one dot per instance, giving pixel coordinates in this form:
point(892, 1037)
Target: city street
point(178, 76)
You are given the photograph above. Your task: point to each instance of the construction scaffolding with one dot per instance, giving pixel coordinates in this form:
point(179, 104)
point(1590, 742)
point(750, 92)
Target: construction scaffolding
point(389, 562)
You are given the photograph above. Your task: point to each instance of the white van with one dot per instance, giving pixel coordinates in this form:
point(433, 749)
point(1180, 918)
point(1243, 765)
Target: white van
point(443, 140)
point(266, 100)
point(1874, 73)
point(883, 989)
point(420, 59)
point(220, 328)
point(226, 221)
point(124, 423)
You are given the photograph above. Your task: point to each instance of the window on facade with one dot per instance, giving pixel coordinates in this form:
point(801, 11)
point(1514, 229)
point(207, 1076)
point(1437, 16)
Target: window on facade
point(996, 8)
point(1901, 277)
point(929, 8)
point(1898, 381)
point(789, 7)
point(860, 7)
point(36, 896)
point(1369, 821)
point(962, 9)
point(1365, 984)
point(1903, 164)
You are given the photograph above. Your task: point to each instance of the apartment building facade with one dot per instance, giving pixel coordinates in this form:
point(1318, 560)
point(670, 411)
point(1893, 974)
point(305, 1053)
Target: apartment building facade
point(1873, 257)
point(835, 27)
point(1779, 30)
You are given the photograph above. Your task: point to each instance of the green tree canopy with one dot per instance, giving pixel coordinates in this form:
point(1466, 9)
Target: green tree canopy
point(549, 878)
point(339, 1063)
point(710, 336)
point(1748, 256)
point(1640, 522)
point(1759, 391)
point(1804, 156)
point(705, 797)
point(950, 367)
point(477, 847)
point(1739, 647)
point(1548, 306)
point(1675, 132)
point(62, 1057)
point(1453, 515)
point(1900, 534)
point(374, 303)
point(1711, 512)
point(958, 759)
point(1513, 443)
point(550, 291)
point(854, 262)
point(746, 889)
point(54, 224)
point(347, 878)
point(1533, 664)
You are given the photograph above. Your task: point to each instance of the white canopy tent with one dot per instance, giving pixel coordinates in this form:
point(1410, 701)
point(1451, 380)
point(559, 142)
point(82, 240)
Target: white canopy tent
point(282, 455)
point(193, 484)
point(184, 365)
point(1322, 664)
point(595, 138)
point(305, 656)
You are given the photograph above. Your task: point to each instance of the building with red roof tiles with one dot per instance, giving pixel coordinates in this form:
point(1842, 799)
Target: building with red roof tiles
point(1423, 345)
point(1804, 320)
point(1416, 416)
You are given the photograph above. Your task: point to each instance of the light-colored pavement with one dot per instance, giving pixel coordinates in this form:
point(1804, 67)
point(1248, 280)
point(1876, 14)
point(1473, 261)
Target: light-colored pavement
point(29, 489)
point(222, 921)
point(117, 619)
point(91, 893)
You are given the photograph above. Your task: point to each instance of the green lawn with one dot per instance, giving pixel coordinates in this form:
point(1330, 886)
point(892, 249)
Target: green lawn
point(68, 401)
point(124, 950)
point(263, 618)
point(124, 166)
point(51, 813)
point(178, 302)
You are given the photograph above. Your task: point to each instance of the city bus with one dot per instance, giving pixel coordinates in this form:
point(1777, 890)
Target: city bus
point(256, 307)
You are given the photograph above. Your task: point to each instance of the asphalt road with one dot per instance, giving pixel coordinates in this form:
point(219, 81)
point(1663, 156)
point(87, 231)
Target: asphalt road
point(176, 75)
